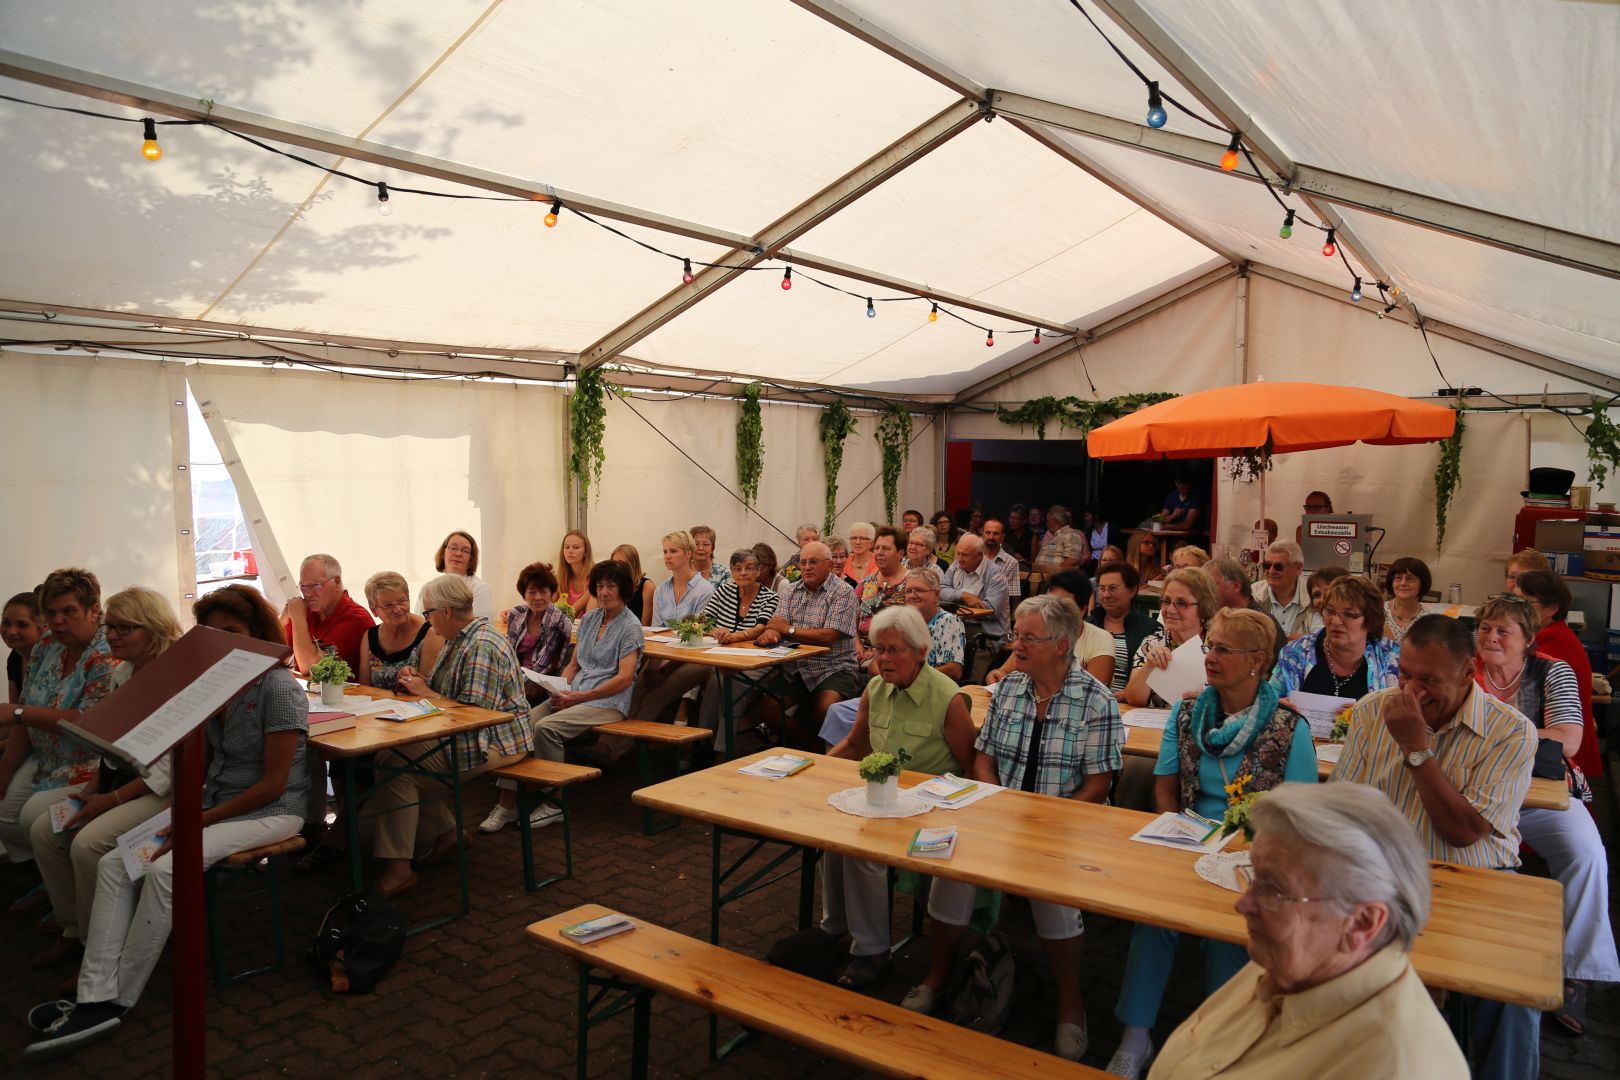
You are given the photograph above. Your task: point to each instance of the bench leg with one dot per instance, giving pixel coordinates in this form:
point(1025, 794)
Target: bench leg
point(629, 996)
point(557, 797)
point(650, 825)
point(526, 839)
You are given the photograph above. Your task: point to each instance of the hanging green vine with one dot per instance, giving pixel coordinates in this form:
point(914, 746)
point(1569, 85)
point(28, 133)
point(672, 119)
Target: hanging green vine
point(836, 424)
point(1246, 465)
point(1075, 413)
point(1447, 477)
point(894, 439)
point(587, 427)
point(1602, 444)
point(750, 445)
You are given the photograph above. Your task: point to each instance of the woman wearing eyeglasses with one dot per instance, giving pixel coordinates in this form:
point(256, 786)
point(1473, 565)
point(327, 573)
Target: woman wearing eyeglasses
point(458, 555)
point(1349, 657)
point(1408, 579)
point(1189, 601)
point(1551, 598)
point(401, 638)
point(1237, 727)
point(1544, 689)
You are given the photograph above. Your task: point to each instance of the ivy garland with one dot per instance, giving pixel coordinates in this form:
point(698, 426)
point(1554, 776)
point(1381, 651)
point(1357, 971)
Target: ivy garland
point(587, 427)
point(836, 424)
point(894, 439)
point(1245, 466)
point(1602, 444)
point(750, 445)
point(1447, 477)
point(1073, 412)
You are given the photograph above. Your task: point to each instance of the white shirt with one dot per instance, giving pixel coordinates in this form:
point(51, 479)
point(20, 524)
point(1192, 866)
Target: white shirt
point(1296, 615)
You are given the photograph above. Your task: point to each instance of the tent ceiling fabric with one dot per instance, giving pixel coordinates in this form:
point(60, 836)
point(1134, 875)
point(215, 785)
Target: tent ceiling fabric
point(730, 113)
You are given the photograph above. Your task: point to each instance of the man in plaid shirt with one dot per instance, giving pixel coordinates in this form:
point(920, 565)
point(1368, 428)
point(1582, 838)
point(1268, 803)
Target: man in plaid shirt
point(1052, 729)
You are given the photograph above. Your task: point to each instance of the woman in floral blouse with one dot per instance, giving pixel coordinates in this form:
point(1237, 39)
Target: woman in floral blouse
point(68, 671)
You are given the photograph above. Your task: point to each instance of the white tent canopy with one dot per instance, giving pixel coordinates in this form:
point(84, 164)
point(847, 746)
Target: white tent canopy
point(726, 116)
point(1465, 152)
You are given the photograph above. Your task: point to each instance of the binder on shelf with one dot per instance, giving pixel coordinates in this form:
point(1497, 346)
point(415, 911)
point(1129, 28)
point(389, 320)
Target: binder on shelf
point(171, 696)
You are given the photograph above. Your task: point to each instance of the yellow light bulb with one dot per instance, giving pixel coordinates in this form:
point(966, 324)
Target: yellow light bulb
point(151, 150)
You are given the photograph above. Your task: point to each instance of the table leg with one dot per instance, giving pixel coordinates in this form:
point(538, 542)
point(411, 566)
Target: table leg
point(461, 832)
point(728, 720)
point(351, 827)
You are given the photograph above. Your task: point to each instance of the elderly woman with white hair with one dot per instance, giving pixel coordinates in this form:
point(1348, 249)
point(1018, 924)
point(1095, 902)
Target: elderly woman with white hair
point(1051, 729)
point(477, 666)
point(862, 562)
point(1338, 894)
point(907, 705)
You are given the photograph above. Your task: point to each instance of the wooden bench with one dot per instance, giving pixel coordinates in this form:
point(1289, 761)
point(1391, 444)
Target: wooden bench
point(552, 779)
point(650, 736)
point(245, 863)
point(870, 1034)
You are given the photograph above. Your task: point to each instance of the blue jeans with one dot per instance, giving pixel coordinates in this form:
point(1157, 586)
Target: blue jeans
point(1504, 1041)
point(1147, 971)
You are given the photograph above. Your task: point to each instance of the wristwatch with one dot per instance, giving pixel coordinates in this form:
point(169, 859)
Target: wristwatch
point(792, 630)
point(1418, 757)
point(16, 714)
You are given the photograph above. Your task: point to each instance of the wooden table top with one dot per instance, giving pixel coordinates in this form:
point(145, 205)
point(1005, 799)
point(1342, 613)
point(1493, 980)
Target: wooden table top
point(1492, 934)
point(1144, 742)
point(664, 651)
point(370, 734)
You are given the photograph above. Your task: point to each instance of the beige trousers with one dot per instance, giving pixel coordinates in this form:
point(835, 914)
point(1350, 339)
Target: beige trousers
point(407, 827)
point(68, 860)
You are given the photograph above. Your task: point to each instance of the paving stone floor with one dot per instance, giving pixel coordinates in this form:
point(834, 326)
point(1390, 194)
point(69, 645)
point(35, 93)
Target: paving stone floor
point(473, 999)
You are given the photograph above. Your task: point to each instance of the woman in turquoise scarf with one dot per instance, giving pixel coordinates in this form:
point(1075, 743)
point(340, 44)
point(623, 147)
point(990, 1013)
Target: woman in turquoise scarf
point(1234, 728)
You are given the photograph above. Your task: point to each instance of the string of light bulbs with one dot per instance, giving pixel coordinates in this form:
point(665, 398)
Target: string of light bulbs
point(152, 151)
point(1158, 117)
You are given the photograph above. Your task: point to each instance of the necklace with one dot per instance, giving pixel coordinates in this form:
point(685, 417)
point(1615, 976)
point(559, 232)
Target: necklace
point(1505, 687)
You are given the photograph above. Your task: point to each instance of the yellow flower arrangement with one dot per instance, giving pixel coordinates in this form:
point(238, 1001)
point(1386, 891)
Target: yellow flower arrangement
point(1239, 802)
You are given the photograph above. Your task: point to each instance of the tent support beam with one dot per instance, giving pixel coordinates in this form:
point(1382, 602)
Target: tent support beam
point(889, 161)
point(1097, 333)
point(1520, 237)
point(1530, 358)
point(1135, 20)
point(151, 99)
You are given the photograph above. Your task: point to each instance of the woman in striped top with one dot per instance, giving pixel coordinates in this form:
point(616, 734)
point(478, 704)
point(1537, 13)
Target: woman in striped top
point(740, 609)
point(1544, 690)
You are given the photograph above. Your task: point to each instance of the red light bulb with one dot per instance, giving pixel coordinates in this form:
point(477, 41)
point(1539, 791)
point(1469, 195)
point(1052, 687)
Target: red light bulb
point(990, 339)
point(686, 275)
point(1330, 249)
point(1037, 336)
point(787, 279)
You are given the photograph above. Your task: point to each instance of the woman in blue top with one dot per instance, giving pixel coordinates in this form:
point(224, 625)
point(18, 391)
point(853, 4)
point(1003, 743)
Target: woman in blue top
point(1349, 657)
point(1234, 728)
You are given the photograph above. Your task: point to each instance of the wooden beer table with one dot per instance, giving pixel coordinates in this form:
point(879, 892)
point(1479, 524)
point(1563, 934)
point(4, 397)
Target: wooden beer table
point(370, 735)
point(1490, 934)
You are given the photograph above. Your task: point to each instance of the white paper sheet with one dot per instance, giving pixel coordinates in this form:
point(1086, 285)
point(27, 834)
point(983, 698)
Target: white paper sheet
point(356, 704)
point(554, 683)
point(1329, 752)
point(1166, 829)
point(727, 650)
point(1319, 710)
point(175, 718)
point(982, 791)
point(137, 846)
point(61, 811)
point(1185, 673)
point(1146, 718)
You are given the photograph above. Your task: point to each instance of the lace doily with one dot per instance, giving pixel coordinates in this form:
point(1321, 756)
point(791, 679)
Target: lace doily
point(853, 801)
point(1220, 868)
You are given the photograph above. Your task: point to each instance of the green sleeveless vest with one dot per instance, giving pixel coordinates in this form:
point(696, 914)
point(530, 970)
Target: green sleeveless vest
point(913, 718)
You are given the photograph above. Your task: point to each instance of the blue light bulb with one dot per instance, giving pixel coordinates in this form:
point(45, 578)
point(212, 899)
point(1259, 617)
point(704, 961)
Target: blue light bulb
point(871, 309)
point(1157, 117)
point(1355, 292)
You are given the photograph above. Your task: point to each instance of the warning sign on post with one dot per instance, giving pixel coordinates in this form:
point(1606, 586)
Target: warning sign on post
point(1341, 547)
point(1333, 530)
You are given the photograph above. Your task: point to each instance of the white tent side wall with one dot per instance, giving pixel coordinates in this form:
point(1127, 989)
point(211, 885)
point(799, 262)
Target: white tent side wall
point(90, 475)
point(376, 472)
point(649, 489)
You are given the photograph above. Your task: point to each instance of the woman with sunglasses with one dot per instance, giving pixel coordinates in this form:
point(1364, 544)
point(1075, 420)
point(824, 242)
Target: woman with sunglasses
point(1189, 602)
point(1237, 727)
point(1508, 668)
point(1349, 657)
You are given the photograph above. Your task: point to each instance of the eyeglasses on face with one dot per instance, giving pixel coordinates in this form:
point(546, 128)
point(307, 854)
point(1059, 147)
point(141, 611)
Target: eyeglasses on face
point(123, 629)
point(1223, 651)
point(1179, 605)
point(1316, 508)
point(1277, 567)
point(1347, 614)
point(1026, 640)
point(1271, 898)
point(395, 605)
point(1109, 590)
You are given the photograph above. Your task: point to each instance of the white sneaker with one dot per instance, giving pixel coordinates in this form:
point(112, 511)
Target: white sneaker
point(1127, 1064)
point(499, 818)
point(1072, 1042)
point(919, 998)
point(544, 816)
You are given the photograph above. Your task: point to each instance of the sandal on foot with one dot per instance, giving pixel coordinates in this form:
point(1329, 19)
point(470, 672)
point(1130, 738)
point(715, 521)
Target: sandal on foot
point(863, 971)
point(1572, 1014)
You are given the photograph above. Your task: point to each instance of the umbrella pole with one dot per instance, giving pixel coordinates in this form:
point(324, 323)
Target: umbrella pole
point(1263, 504)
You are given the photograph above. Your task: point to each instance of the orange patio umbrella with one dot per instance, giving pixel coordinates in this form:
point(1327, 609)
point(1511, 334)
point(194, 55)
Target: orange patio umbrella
point(1293, 416)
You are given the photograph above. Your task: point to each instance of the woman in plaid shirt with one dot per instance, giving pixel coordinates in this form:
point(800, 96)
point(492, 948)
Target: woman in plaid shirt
point(1052, 729)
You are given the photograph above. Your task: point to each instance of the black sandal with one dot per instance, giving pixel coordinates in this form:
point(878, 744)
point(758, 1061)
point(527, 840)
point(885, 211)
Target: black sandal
point(863, 971)
point(319, 857)
point(1572, 1014)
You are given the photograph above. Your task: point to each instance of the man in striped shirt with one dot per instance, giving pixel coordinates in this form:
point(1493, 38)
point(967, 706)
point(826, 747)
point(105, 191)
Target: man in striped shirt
point(1456, 762)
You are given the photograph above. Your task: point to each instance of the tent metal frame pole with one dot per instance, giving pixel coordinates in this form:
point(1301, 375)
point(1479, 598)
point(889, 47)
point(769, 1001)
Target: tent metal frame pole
point(1506, 350)
point(1098, 332)
point(1146, 32)
point(770, 242)
point(151, 99)
point(185, 521)
point(1563, 248)
point(1240, 320)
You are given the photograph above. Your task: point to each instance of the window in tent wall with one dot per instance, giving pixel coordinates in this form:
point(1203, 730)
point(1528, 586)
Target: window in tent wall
point(223, 544)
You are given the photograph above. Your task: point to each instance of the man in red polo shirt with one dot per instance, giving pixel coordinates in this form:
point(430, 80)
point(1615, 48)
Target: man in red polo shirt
point(323, 615)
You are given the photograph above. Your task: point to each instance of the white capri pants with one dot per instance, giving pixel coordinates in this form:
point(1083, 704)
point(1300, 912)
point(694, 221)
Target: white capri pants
point(952, 904)
point(1569, 841)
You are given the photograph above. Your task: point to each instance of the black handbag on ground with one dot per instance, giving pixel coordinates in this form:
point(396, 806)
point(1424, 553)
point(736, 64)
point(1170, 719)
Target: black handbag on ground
point(359, 940)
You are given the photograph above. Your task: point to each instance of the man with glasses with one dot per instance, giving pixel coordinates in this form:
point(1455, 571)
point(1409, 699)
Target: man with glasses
point(1456, 762)
point(1317, 502)
point(816, 611)
point(973, 581)
point(323, 616)
point(1283, 593)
